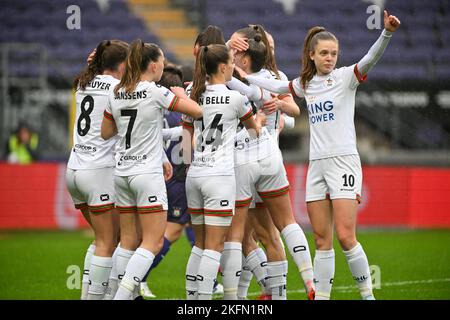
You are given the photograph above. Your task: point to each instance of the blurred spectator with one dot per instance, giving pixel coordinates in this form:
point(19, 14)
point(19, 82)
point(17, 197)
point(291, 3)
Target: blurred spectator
point(23, 146)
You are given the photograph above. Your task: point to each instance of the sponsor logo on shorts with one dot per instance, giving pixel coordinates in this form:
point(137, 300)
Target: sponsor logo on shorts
point(176, 212)
point(224, 203)
point(104, 197)
point(152, 199)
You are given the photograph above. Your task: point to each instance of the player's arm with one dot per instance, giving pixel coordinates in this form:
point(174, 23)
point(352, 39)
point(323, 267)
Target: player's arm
point(391, 24)
point(109, 128)
point(254, 124)
point(172, 133)
point(253, 92)
point(185, 104)
point(187, 141)
point(283, 102)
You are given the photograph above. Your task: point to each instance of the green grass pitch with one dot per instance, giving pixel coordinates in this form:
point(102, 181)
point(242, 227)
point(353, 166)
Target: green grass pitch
point(413, 264)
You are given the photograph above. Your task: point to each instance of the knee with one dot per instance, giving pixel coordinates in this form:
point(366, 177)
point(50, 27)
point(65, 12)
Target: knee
point(323, 241)
point(346, 238)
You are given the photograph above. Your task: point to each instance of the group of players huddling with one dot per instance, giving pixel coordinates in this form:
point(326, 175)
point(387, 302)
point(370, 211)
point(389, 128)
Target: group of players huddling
point(150, 158)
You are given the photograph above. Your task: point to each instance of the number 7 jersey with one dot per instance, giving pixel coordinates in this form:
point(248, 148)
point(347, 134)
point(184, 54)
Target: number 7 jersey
point(89, 150)
point(215, 132)
point(139, 118)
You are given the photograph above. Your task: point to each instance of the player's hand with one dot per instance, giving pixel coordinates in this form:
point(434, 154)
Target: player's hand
point(239, 44)
point(91, 56)
point(168, 171)
point(179, 92)
point(272, 105)
point(261, 118)
point(281, 125)
point(391, 23)
point(241, 72)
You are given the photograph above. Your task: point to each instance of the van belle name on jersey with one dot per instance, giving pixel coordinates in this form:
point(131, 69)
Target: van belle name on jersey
point(215, 100)
point(320, 111)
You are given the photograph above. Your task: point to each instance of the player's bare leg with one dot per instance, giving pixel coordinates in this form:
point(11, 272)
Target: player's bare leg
point(281, 212)
point(344, 211)
point(320, 215)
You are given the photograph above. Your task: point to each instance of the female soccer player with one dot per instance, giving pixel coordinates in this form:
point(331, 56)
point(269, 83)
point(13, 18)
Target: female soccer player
point(259, 168)
point(89, 175)
point(334, 180)
point(135, 113)
point(210, 183)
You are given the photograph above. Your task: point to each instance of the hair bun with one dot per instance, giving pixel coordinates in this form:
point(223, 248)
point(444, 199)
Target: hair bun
point(256, 28)
point(257, 37)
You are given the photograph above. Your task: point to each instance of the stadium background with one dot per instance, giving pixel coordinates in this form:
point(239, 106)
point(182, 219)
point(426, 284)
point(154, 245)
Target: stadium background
point(402, 121)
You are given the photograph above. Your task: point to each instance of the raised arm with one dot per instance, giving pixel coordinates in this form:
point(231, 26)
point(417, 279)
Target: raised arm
point(391, 23)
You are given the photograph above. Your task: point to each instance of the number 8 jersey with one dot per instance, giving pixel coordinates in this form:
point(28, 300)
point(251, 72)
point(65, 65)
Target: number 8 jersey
point(89, 150)
point(215, 132)
point(139, 117)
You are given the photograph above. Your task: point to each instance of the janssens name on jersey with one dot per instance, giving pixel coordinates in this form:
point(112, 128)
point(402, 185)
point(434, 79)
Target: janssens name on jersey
point(131, 95)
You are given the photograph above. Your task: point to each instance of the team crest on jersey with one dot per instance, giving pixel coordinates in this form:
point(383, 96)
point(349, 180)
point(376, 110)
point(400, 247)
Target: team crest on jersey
point(329, 82)
point(104, 197)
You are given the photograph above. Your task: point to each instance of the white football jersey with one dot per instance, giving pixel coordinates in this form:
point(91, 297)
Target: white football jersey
point(89, 150)
point(330, 102)
point(139, 119)
point(248, 149)
point(214, 133)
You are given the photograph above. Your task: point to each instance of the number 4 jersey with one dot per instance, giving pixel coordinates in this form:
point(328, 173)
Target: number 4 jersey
point(89, 150)
point(214, 133)
point(139, 118)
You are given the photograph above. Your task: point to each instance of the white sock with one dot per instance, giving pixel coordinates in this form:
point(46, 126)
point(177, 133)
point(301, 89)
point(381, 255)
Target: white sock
point(113, 281)
point(299, 249)
point(87, 264)
point(207, 273)
point(98, 277)
point(136, 269)
point(231, 265)
point(359, 267)
point(323, 273)
point(258, 268)
point(191, 273)
point(276, 278)
point(122, 258)
point(244, 280)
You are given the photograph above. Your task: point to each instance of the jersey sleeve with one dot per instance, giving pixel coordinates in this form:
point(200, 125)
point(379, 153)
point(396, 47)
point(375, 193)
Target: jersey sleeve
point(165, 98)
point(187, 121)
point(295, 88)
point(107, 114)
point(244, 109)
point(351, 76)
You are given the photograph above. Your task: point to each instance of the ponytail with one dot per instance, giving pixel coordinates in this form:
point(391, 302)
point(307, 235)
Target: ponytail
point(199, 85)
point(93, 69)
point(206, 64)
point(137, 61)
point(308, 67)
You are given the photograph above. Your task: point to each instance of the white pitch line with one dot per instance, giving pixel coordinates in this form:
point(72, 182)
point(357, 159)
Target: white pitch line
point(347, 289)
point(354, 287)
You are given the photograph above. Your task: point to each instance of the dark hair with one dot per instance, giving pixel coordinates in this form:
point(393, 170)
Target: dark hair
point(207, 62)
point(257, 52)
point(172, 76)
point(109, 54)
point(249, 32)
point(210, 35)
point(308, 67)
point(138, 59)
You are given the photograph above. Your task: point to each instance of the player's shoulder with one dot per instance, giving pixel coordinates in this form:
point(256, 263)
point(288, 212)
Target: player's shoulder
point(343, 71)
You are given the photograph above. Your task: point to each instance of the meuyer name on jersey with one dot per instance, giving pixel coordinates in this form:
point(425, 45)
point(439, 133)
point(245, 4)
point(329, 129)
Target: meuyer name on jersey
point(320, 112)
point(215, 100)
point(99, 85)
